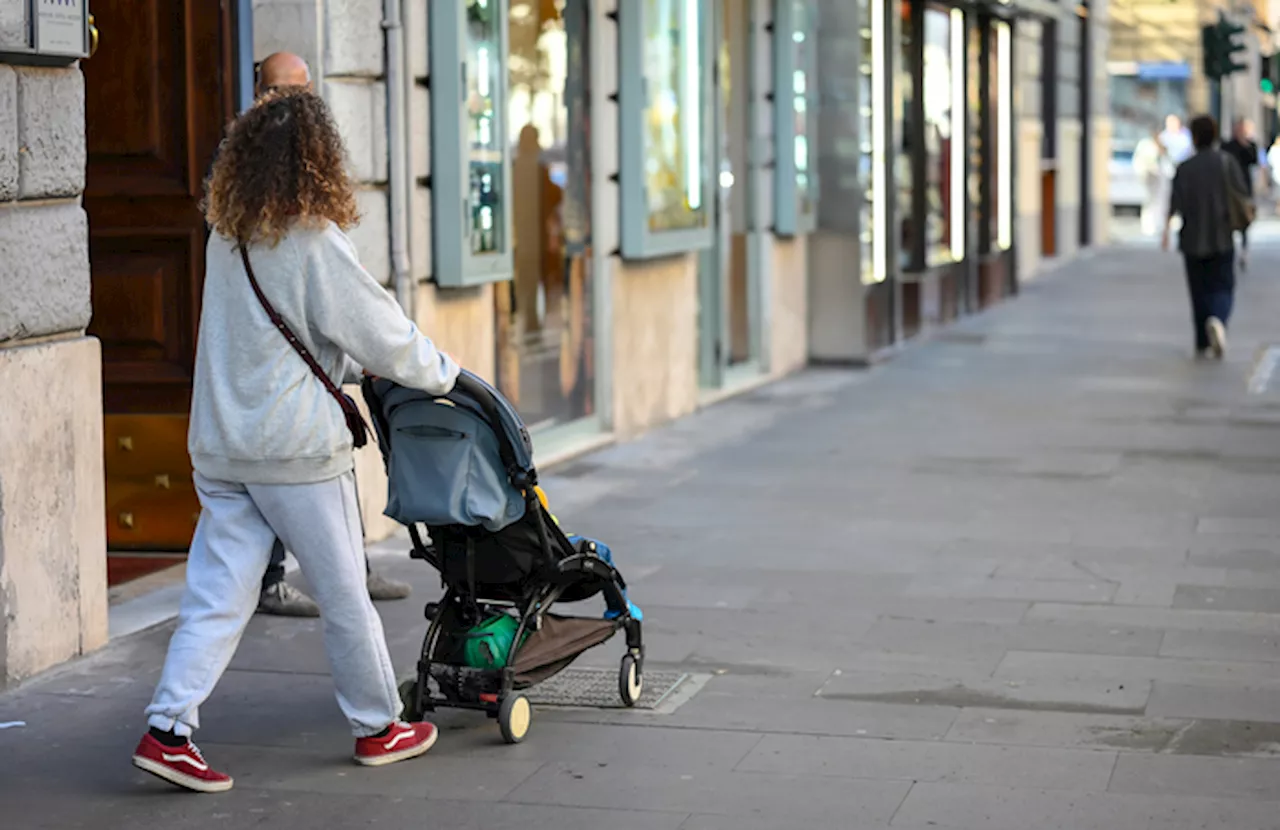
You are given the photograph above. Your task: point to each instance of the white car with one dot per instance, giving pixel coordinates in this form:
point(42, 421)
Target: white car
point(1127, 191)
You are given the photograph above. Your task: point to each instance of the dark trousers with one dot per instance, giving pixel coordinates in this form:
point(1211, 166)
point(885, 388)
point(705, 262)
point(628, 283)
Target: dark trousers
point(275, 568)
point(1211, 282)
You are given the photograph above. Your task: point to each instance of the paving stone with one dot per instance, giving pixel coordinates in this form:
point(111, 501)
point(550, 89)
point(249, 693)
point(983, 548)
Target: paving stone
point(800, 798)
point(1042, 590)
point(1251, 702)
point(1003, 808)
point(1251, 778)
point(1037, 694)
point(435, 775)
point(1220, 525)
point(1072, 769)
point(1185, 619)
point(1222, 645)
point(1065, 729)
point(1264, 600)
point(1102, 666)
point(954, 638)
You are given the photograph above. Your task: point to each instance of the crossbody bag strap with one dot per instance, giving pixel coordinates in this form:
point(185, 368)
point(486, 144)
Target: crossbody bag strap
point(355, 421)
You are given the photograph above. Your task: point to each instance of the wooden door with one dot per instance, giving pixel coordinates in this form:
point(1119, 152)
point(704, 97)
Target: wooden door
point(157, 95)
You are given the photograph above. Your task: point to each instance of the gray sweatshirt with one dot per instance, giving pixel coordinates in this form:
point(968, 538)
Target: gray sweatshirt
point(258, 414)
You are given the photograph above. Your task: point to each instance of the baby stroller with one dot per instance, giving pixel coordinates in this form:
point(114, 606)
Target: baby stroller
point(462, 466)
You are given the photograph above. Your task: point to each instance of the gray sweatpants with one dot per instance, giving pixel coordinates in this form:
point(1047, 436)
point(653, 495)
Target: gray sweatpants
point(229, 553)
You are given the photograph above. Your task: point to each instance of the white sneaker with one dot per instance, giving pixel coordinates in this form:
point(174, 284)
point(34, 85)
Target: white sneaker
point(1217, 336)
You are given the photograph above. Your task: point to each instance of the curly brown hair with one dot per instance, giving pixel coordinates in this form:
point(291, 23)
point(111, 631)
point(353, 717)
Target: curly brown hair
point(282, 162)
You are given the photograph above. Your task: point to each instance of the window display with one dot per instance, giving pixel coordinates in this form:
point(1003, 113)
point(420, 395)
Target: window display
point(935, 91)
point(673, 172)
point(486, 231)
point(904, 128)
point(544, 325)
point(470, 165)
point(795, 59)
point(665, 65)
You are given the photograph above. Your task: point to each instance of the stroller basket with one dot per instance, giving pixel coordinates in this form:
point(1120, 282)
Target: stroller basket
point(461, 465)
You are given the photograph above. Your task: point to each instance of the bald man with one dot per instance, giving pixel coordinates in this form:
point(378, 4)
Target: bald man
point(278, 597)
point(282, 69)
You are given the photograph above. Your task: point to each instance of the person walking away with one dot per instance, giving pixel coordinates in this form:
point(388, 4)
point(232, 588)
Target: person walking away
point(287, 313)
point(1242, 148)
point(278, 597)
point(1150, 163)
point(1203, 189)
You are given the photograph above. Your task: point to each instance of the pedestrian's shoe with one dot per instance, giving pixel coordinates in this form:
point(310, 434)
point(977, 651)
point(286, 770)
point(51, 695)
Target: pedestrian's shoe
point(284, 600)
point(1217, 337)
point(382, 588)
point(400, 742)
point(180, 765)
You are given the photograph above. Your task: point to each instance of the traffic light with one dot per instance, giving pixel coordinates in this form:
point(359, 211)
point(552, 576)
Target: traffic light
point(1268, 73)
point(1220, 47)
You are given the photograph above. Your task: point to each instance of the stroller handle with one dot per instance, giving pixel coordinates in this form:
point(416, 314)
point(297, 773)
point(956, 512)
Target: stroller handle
point(484, 396)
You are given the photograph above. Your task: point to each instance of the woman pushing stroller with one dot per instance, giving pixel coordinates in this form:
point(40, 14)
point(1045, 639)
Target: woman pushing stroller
point(288, 315)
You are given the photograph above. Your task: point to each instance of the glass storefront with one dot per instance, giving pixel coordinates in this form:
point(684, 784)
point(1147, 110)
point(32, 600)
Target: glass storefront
point(904, 128)
point(673, 128)
point(545, 331)
point(485, 126)
point(935, 94)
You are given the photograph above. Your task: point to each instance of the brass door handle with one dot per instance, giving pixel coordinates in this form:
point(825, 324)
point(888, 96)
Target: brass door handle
point(93, 37)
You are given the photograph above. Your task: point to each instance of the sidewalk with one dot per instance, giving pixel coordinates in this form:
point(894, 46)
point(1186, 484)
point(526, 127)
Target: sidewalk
point(1024, 575)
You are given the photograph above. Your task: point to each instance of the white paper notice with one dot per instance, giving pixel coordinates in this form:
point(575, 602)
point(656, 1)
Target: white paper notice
point(60, 27)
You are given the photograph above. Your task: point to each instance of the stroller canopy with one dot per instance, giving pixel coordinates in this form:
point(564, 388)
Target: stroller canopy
point(458, 459)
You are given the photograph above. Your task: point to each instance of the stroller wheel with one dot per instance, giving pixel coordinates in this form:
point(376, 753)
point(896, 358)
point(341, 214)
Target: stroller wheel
point(408, 696)
point(514, 715)
point(630, 680)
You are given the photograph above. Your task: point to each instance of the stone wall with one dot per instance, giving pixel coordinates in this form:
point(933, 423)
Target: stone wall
point(52, 532)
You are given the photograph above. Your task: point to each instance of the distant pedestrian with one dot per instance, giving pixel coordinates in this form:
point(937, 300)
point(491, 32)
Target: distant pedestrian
point(1154, 169)
point(288, 312)
point(1176, 139)
point(1244, 150)
point(1210, 195)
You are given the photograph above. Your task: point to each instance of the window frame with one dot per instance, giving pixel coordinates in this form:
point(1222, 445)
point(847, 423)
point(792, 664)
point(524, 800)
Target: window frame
point(453, 263)
point(637, 240)
point(789, 219)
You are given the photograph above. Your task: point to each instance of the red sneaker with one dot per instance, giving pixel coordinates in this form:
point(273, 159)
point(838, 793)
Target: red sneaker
point(405, 740)
point(181, 765)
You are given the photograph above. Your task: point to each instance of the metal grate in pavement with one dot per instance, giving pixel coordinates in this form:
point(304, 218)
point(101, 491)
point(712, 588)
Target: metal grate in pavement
point(598, 689)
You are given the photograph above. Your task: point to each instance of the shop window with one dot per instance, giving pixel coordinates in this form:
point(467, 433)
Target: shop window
point(1001, 109)
point(794, 84)
point(936, 95)
point(666, 58)
point(544, 325)
point(904, 128)
point(871, 125)
point(471, 167)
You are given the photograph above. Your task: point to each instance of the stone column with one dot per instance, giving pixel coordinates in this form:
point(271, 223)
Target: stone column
point(53, 593)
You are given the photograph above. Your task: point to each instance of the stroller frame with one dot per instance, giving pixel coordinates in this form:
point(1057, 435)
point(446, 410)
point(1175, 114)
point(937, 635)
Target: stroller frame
point(497, 692)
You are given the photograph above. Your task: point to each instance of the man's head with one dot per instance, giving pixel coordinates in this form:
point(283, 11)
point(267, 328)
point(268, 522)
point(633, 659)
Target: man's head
point(1172, 123)
point(1242, 129)
point(281, 69)
point(1204, 131)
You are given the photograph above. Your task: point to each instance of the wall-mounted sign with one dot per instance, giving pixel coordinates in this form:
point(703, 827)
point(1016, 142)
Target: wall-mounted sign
point(48, 32)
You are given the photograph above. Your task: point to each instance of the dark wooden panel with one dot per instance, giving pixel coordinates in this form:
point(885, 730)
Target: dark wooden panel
point(157, 95)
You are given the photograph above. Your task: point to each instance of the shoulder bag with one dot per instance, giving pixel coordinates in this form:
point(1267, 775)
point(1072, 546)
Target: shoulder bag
point(355, 421)
point(1240, 208)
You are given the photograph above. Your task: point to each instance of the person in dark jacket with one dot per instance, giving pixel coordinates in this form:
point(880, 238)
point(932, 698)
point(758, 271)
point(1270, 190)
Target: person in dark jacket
point(1242, 148)
point(1200, 197)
